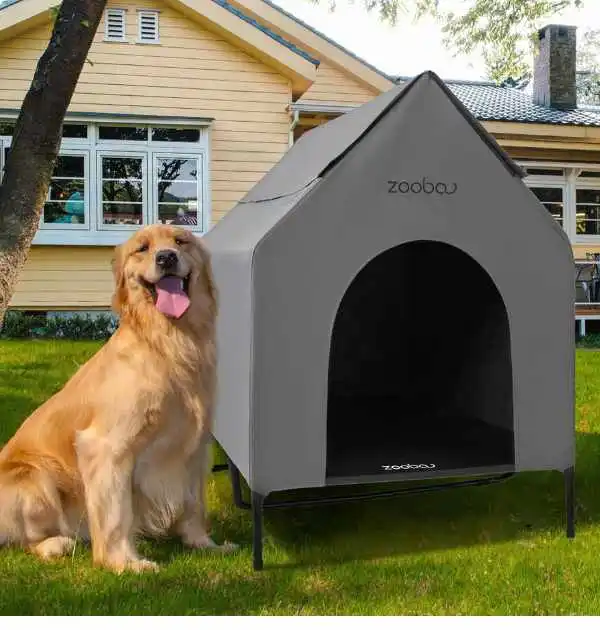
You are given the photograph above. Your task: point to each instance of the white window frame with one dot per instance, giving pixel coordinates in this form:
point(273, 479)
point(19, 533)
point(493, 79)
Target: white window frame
point(571, 182)
point(545, 182)
point(74, 234)
point(123, 15)
point(87, 182)
point(200, 184)
point(4, 144)
point(121, 153)
point(141, 14)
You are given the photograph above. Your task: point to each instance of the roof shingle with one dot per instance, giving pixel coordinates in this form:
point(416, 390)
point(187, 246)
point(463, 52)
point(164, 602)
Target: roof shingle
point(489, 101)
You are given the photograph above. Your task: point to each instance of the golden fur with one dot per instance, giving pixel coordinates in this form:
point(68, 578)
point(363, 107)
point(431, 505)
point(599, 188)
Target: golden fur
point(122, 449)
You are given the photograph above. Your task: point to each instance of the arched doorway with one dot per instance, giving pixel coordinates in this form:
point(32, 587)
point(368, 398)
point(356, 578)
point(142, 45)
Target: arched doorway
point(420, 367)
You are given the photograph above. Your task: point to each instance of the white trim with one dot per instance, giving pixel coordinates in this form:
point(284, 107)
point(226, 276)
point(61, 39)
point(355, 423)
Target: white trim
point(90, 118)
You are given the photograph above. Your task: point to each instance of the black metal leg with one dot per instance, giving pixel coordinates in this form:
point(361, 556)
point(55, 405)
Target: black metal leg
point(236, 485)
point(257, 521)
point(569, 477)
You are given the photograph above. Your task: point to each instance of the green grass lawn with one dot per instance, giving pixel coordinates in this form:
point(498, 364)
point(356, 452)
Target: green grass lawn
point(491, 550)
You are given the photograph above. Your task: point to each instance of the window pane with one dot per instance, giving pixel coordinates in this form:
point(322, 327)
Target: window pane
point(548, 194)
point(122, 168)
point(588, 211)
point(73, 211)
point(75, 131)
point(175, 135)
point(176, 192)
point(179, 214)
point(7, 129)
point(177, 168)
point(551, 199)
point(63, 189)
point(588, 196)
point(123, 133)
point(122, 190)
point(3, 162)
point(66, 194)
point(69, 166)
point(544, 171)
point(122, 213)
point(586, 174)
point(588, 220)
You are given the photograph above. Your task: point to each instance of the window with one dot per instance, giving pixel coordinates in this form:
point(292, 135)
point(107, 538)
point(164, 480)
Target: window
point(175, 135)
point(67, 198)
point(112, 177)
point(114, 25)
point(552, 199)
point(6, 129)
point(124, 133)
point(122, 196)
point(75, 131)
point(571, 193)
point(147, 27)
point(176, 189)
point(587, 204)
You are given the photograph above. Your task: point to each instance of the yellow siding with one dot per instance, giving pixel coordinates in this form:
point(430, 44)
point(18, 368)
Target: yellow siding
point(62, 277)
point(192, 72)
point(334, 86)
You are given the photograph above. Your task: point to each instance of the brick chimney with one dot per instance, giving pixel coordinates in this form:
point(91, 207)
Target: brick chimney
point(554, 67)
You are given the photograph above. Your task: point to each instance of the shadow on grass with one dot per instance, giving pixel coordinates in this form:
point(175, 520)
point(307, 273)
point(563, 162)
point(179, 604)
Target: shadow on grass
point(529, 503)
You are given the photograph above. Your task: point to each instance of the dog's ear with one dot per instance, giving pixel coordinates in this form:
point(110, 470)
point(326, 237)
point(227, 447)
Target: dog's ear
point(120, 295)
point(207, 272)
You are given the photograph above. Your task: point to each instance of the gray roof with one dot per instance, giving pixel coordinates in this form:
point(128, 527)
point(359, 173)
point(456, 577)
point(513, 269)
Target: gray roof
point(318, 151)
point(489, 101)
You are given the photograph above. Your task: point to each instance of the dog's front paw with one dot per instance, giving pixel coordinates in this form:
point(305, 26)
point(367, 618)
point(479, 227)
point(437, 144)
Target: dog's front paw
point(134, 565)
point(141, 565)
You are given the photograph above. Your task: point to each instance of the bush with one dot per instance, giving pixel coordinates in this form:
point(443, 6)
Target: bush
point(19, 325)
point(589, 341)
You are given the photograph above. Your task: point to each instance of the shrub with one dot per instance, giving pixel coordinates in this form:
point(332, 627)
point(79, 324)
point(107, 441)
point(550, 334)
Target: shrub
point(19, 325)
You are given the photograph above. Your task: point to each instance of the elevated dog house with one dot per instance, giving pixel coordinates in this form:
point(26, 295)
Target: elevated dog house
point(395, 304)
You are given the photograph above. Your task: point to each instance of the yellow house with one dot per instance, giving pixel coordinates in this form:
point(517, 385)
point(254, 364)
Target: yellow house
point(185, 104)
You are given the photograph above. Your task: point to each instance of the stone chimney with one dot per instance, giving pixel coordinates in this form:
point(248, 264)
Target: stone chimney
point(554, 68)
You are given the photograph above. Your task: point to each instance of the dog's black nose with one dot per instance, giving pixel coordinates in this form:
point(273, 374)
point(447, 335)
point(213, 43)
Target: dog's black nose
point(166, 259)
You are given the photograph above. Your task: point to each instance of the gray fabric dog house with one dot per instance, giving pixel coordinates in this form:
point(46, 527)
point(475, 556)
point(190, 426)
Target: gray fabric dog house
point(394, 304)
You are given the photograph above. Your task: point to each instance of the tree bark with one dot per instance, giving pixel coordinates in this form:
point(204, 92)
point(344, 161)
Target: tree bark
point(36, 139)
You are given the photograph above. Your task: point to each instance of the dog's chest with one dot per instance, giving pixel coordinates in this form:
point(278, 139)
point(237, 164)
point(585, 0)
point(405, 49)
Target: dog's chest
point(178, 433)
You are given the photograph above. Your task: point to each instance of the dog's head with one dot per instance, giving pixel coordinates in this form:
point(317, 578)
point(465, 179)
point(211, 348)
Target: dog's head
point(165, 270)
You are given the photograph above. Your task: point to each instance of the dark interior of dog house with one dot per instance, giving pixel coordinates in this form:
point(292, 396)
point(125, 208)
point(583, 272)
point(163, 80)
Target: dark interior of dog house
point(420, 366)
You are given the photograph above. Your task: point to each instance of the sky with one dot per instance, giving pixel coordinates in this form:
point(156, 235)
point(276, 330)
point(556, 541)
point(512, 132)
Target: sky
point(394, 49)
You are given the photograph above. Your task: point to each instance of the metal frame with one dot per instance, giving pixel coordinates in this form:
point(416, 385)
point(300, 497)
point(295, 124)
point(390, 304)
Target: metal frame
point(258, 502)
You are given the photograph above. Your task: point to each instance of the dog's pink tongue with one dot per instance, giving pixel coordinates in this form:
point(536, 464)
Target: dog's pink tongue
point(171, 299)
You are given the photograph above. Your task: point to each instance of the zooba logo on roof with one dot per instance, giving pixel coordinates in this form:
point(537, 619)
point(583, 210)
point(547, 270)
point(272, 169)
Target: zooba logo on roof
point(423, 186)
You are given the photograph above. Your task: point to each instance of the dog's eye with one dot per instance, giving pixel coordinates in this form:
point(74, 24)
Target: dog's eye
point(142, 248)
point(180, 241)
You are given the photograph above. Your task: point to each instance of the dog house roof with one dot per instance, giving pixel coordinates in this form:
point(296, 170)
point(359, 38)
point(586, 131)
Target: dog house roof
point(313, 156)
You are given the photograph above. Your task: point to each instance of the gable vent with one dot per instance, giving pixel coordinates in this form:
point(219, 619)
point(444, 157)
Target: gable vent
point(148, 27)
point(114, 25)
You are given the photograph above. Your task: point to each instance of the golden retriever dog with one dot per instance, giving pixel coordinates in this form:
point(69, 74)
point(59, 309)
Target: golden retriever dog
point(122, 449)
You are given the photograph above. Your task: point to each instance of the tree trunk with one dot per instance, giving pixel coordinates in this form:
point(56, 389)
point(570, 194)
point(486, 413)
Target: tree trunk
point(36, 139)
